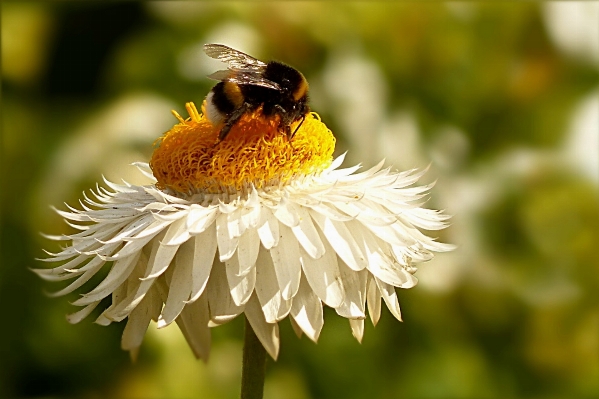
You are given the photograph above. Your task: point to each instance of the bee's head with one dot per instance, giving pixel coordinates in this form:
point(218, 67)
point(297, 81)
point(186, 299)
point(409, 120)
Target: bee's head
point(302, 106)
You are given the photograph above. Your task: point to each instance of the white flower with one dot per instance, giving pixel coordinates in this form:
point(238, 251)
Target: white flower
point(336, 237)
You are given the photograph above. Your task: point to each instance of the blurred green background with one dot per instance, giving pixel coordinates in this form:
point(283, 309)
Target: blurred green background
point(501, 99)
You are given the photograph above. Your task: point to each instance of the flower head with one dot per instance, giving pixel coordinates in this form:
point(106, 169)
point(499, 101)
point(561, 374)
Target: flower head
point(255, 224)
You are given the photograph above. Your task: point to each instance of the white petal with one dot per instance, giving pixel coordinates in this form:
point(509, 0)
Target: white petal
point(235, 225)
point(138, 322)
point(119, 187)
point(346, 172)
point(203, 258)
point(101, 231)
point(247, 250)
point(413, 254)
point(354, 305)
point(307, 235)
point(286, 260)
point(227, 244)
point(332, 212)
point(193, 322)
point(156, 227)
point(76, 317)
point(104, 252)
point(161, 211)
point(94, 266)
point(161, 259)
point(373, 300)
point(296, 328)
point(180, 285)
point(390, 296)
point(177, 233)
point(357, 328)
point(133, 246)
point(306, 310)
point(118, 274)
point(286, 213)
point(284, 309)
point(221, 304)
point(368, 212)
point(381, 261)
point(76, 216)
point(62, 272)
point(86, 246)
point(323, 276)
point(250, 213)
point(394, 234)
point(228, 207)
point(200, 218)
point(268, 229)
point(137, 287)
point(267, 287)
point(132, 228)
point(117, 297)
point(340, 238)
point(428, 219)
point(145, 169)
point(337, 161)
point(440, 247)
point(394, 274)
point(140, 240)
point(267, 333)
point(241, 286)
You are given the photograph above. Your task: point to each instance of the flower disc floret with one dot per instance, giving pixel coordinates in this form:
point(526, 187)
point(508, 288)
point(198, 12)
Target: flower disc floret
point(189, 157)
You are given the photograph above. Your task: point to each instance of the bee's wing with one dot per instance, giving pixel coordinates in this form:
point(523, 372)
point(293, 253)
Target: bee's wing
point(244, 78)
point(236, 59)
point(243, 69)
point(223, 74)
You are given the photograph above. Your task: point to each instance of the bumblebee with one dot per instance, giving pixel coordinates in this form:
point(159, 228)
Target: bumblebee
point(248, 84)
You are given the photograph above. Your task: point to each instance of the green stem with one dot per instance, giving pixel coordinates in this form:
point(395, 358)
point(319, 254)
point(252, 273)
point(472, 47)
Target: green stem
point(254, 365)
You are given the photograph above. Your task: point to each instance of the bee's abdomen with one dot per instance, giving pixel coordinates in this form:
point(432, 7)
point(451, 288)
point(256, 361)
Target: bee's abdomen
point(219, 104)
point(226, 97)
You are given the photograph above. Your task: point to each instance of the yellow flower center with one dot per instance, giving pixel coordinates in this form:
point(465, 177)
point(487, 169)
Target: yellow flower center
point(189, 158)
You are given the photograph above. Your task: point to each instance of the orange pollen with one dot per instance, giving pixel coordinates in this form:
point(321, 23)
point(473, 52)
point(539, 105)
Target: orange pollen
point(189, 157)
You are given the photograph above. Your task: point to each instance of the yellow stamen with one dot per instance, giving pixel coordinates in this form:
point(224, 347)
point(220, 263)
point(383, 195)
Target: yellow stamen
point(189, 157)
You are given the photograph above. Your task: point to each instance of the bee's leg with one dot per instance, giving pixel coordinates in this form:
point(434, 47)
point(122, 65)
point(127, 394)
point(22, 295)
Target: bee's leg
point(280, 109)
point(298, 126)
point(288, 132)
point(232, 120)
point(283, 121)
